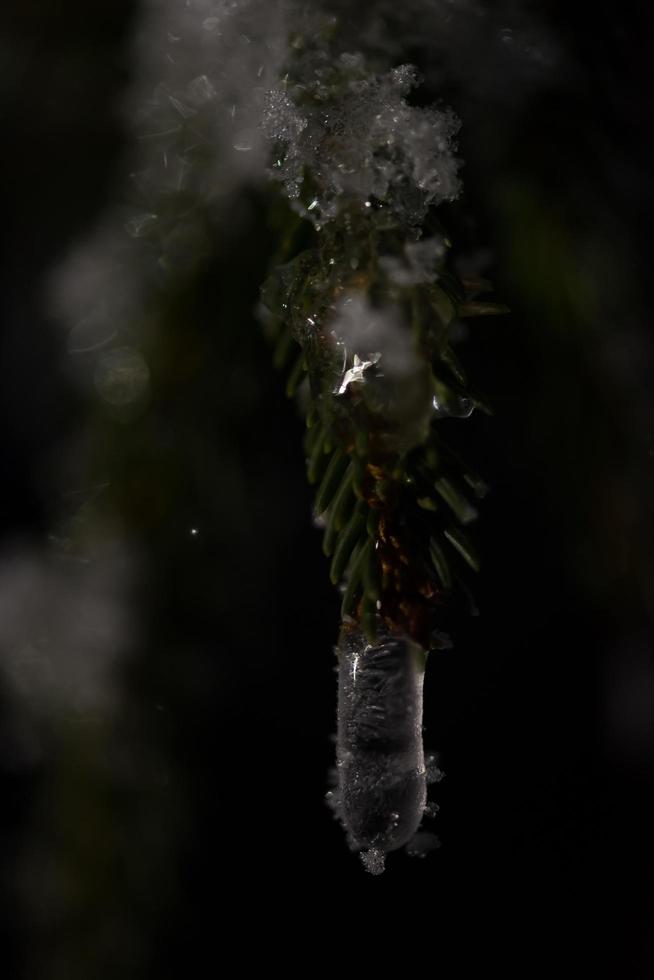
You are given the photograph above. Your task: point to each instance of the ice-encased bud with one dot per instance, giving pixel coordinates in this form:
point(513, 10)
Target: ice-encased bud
point(380, 758)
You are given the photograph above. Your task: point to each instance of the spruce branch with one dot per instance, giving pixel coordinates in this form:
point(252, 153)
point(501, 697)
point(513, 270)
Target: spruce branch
point(359, 306)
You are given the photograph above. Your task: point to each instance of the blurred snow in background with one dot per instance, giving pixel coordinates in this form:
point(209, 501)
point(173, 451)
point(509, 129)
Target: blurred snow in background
point(64, 624)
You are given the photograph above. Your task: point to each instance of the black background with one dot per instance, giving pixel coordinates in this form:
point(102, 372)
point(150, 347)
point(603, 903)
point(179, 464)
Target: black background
point(544, 710)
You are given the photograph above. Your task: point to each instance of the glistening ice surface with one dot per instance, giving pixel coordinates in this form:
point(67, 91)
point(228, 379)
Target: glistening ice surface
point(382, 781)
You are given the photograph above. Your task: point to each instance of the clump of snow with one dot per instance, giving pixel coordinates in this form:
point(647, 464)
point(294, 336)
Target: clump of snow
point(353, 131)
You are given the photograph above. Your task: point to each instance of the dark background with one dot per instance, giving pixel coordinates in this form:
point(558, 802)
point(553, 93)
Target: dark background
point(193, 823)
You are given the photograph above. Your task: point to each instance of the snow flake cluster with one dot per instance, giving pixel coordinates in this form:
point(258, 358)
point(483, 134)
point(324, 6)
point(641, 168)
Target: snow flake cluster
point(351, 136)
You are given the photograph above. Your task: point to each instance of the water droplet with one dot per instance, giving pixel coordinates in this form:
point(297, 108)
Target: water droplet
point(453, 406)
